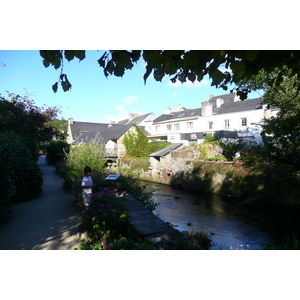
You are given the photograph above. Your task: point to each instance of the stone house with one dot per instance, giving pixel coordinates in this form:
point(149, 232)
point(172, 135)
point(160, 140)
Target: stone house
point(112, 138)
point(109, 136)
point(162, 164)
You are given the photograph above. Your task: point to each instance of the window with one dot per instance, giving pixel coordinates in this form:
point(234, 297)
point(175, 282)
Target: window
point(244, 121)
point(177, 126)
point(157, 129)
point(210, 125)
point(226, 124)
point(189, 125)
point(169, 127)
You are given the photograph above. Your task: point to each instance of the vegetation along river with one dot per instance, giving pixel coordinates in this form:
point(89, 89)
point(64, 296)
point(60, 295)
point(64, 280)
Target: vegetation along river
point(230, 225)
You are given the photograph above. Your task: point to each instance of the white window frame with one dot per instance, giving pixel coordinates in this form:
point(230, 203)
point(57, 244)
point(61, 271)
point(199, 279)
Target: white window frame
point(169, 127)
point(189, 125)
point(176, 126)
point(210, 125)
point(226, 124)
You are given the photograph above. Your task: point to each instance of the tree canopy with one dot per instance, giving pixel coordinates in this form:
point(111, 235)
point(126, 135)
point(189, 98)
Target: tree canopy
point(224, 67)
point(29, 122)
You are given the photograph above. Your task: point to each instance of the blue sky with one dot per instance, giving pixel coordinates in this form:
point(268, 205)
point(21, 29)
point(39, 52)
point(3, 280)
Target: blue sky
point(93, 97)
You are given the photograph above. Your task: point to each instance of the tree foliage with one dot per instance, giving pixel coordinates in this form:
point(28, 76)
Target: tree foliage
point(281, 133)
point(20, 177)
point(21, 115)
point(224, 67)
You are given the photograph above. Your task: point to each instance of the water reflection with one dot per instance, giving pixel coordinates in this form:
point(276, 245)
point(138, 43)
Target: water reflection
point(230, 226)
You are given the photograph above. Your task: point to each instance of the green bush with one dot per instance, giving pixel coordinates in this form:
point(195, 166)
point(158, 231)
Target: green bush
point(56, 151)
point(78, 158)
point(20, 177)
point(106, 224)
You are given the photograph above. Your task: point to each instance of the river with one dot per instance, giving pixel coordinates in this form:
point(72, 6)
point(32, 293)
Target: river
point(231, 227)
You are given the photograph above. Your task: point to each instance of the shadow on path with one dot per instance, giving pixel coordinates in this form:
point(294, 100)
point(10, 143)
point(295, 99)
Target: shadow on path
point(49, 222)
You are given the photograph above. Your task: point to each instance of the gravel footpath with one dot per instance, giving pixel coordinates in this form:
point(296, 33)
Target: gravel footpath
point(49, 222)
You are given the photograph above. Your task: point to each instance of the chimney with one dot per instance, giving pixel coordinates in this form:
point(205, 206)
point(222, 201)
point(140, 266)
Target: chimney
point(168, 110)
point(131, 116)
point(207, 109)
point(179, 107)
point(70, 121)
point(219, 102)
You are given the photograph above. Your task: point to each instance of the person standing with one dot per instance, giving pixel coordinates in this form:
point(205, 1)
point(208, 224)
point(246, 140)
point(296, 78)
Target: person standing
point(87, 185)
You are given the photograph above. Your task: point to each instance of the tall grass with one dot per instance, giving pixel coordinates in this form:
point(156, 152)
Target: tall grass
point(81, 156)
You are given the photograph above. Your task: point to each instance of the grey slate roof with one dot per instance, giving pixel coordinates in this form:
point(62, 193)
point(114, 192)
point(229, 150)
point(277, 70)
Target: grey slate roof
point(139, 119)
point(178, 115)
point(123, 122)
point(231, 107)
point(112, 133)
point(104, 135)
point(136, 120)
point(165, 151)
point(226, 97)
point(78, 127)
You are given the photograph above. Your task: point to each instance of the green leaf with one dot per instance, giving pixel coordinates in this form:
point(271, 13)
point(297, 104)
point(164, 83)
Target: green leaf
point(80, 54)
point(54, 87)
point(191, 77)
point(46, 63)
point(217, 77)
point(251, 54)
point(69, 54)
point(119, 71)
point(238, 68)
point(66, 85)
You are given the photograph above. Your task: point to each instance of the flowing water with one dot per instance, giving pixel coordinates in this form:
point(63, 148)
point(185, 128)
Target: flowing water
point(229, 225)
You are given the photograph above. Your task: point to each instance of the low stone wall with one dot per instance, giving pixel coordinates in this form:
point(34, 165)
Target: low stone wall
point(151, 228)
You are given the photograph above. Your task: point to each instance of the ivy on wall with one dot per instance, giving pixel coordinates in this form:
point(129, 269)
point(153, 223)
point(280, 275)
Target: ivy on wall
point(135, 142)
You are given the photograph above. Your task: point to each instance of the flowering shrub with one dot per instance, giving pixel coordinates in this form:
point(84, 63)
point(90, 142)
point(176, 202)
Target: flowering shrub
point(106, 224)
point(107, 214)
point(124, 184)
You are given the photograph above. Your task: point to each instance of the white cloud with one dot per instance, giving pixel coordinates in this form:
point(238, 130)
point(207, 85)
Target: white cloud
point(128, 100)
point(121, 110)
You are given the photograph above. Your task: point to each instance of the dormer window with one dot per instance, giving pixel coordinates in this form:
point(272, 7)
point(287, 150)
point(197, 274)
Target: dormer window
point(181, 115)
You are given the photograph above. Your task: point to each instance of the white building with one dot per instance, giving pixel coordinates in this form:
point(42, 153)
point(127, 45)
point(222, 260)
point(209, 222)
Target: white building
point(225, 115)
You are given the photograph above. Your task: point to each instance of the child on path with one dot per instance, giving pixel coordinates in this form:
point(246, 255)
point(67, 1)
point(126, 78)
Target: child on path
point(87, 184)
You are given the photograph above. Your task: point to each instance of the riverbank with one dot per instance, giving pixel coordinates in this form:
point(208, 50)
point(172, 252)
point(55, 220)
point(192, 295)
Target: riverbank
point(257, 185)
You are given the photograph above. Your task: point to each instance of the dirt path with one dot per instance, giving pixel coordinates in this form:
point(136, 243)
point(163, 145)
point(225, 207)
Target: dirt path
point(49, 222)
